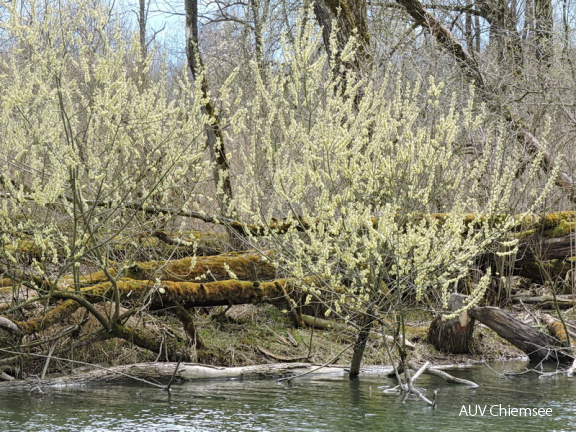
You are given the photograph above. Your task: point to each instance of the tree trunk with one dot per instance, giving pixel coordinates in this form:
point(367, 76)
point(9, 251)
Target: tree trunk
point(360, 345)
point(215, 137)
point(473, 73)
point(543, 28)
point(503, 33)
point(452, 335)
point(352, 19)
point(537, 345)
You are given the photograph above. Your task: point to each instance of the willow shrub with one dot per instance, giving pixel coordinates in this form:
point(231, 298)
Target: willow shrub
point(87, 137)
point(360, 162)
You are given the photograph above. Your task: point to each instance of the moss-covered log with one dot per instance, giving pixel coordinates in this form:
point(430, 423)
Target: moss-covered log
point(547, 249)
point(167, 348)
point(543, 259)
point(158, 243)
point(246, 265)
point(192, 294)
point(52, 316)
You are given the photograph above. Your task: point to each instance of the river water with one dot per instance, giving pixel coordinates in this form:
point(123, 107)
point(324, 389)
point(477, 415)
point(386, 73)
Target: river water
point(326, 403)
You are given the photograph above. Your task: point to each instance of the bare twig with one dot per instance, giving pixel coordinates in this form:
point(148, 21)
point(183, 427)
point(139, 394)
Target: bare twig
point(445, 376)
point(87, 364)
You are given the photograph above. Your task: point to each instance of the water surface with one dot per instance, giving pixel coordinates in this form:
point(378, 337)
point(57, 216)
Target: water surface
point(330, 403)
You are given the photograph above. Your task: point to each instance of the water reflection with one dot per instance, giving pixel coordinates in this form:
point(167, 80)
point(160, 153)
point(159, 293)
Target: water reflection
point(328, 404)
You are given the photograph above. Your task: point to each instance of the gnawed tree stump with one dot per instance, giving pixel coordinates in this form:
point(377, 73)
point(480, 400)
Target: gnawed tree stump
point(452, 335)
point(560, 331)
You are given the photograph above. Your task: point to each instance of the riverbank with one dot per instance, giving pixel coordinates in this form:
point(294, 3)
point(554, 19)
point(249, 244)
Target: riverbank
point(249, 335)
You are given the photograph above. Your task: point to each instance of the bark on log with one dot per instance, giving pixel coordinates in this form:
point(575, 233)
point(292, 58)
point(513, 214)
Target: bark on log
point(191, 294)
point(548, 301)
point(52, 317)
point(6, 324)
point(548, 247)
point(452, 335)
point(325, 324)
point(163, 372)
point(537, 345)
point(246, 265)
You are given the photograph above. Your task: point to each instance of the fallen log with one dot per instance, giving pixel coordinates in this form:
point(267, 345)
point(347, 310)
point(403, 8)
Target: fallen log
point(548, 301)
point(547, 246)
point(6, 324)
point(191, 294)
point(181, 372)
point(37, 324)
point(325, 324)
point(537, 345)
point(246, 266)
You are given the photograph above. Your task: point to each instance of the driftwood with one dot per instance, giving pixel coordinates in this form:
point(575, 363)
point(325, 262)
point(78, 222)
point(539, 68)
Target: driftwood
point(181, 372)
point(445, 376)
point(408, 388)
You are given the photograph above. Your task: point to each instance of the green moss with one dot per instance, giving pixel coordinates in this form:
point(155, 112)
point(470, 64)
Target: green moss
point(525, 234)
point(551, 220)
point(563, 228)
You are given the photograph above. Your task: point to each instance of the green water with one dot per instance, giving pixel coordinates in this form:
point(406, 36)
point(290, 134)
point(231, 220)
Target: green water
point(330, 403)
